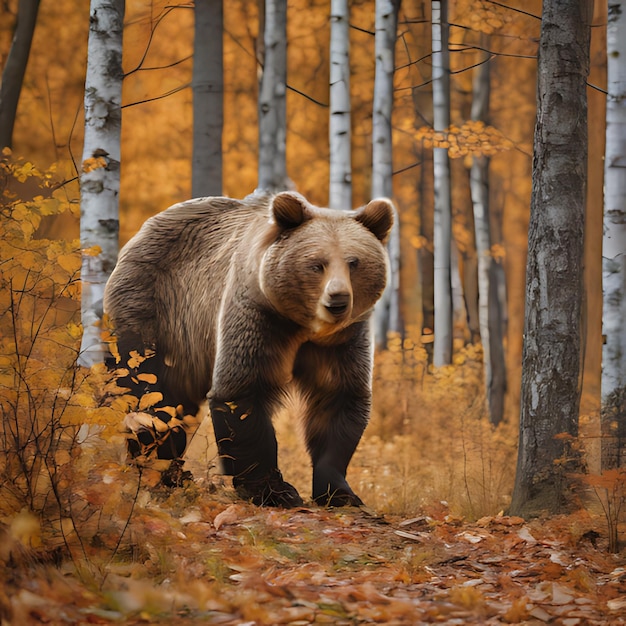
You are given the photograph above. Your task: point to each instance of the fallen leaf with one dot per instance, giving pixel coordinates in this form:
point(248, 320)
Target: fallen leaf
point(227, 516)
point(524, 534)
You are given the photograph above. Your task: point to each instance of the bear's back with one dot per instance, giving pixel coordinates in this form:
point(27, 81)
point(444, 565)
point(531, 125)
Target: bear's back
point(193, 231)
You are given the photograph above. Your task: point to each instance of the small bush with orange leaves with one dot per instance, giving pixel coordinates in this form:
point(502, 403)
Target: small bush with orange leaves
point(48, 405)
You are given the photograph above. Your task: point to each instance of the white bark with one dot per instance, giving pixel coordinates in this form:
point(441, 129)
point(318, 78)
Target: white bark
point(442, 349)
point(340, 189)
point(489, 307)
point(614, 241)
point(387, 316)
point(272, 100)
point(208, 93)
point(100, 180)
point(614, 246)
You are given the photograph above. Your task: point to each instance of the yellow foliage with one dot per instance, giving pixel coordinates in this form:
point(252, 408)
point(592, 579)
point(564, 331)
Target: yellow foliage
point(147, 378)
point(45, 398)
point(150, 399)
point(93, 163)
point(472, 139)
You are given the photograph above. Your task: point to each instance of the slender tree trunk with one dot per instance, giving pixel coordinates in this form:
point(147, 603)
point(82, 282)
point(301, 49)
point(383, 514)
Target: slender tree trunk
point(15, 68)
point(272, 100)
point(208, 94)
point(340, 195)
point(614, 246)
point(489, 311)
point(387, 315)
point(551, 358)
point(442, 350)
point(100, 178)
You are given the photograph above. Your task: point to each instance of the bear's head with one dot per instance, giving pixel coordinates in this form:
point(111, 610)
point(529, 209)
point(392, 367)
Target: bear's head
point(324, 268)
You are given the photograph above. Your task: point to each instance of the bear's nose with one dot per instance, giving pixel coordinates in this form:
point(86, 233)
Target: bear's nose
point(338, 303)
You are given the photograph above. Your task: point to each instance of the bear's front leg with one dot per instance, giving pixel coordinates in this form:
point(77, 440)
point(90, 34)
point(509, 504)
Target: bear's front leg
point(335, 381)
point(248, 451)
point(334, 427)
point(253, 364)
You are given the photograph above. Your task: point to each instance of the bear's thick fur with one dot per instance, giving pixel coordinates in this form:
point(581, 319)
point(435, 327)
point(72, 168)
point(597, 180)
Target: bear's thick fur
point(247, 301)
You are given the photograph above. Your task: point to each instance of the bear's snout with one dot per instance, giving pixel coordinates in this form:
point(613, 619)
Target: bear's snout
point(337, 299)
point(338, 304)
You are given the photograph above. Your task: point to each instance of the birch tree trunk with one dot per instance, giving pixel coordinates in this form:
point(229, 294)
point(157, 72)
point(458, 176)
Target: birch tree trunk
point(15, 68)
point(340, 189)
point(387, 314)
point(100, 177)
point(489, 309)
point(208, 92)
point(614, 246)
point(551, 361)
point(442, 349)
point(272, 100)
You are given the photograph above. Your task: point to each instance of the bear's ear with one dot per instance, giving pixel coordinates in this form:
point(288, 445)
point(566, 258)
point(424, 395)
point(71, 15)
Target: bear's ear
point(377, 216)
point(289, 209)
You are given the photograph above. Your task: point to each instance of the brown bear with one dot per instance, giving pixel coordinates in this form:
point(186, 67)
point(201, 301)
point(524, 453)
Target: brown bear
point(248, 301)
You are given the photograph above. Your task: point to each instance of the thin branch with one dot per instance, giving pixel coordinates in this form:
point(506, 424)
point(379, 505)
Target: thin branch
point(592, 86)
point(126, 525)
point(491, 52)
point(470, 67)
point(362, 30)
point(171, 92)
point(304, 95)
point(163, 67)
point(69, 139)
point(153, 29)
point(407, 167)
point(504, 6)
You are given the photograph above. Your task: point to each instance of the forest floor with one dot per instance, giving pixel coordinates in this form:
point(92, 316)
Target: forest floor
point(196, 555)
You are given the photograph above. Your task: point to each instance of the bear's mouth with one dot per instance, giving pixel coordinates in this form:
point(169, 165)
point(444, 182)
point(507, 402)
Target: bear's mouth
point(337, 309)
point(338, 305)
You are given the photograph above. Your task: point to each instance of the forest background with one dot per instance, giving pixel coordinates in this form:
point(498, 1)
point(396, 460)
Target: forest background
point(416, 409)
point(83, 536)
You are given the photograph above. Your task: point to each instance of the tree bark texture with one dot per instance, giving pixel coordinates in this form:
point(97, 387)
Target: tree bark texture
point(442, 349)
point(387, 314)
point(489, 308)
point(208, 93)
point(340, 192)
point(551, 360)
point(272, 100)
point(100, 178)
point(614, 246)
point(15, 68)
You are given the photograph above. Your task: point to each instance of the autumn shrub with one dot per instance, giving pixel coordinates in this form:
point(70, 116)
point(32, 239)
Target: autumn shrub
point(49, 406)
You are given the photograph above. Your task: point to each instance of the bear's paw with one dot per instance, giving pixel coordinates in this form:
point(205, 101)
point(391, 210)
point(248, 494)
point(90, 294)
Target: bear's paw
point(271, 490)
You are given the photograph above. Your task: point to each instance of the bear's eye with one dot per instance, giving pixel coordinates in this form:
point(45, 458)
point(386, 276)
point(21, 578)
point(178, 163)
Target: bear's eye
point(353, 263)
point(317, 267)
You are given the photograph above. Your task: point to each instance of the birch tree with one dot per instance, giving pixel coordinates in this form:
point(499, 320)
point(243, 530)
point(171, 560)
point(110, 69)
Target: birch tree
point(442, 349)
point(100, 177)
point(614, 246)
point(387, 315)
point(208, 91)
point(489, 310)
point(272, 100)
point(15, 68)
point(340, 188)
point(551, 361)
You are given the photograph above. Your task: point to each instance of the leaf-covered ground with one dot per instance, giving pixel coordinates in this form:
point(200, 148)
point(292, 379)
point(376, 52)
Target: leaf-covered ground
point(196, 556)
